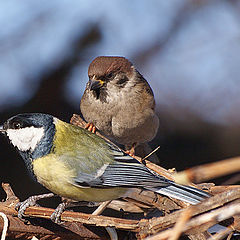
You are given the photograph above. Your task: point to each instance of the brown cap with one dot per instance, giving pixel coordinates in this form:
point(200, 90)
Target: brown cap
point(103, 65)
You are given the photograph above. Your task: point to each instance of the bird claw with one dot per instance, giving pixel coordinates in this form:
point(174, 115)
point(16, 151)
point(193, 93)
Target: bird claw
point(30, 202)
point(22, 206)
point(56, 215)
point(90, 127)
point(131, 151)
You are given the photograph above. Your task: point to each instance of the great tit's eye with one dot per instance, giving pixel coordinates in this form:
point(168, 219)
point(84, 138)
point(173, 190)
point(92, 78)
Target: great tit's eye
point(16, 125)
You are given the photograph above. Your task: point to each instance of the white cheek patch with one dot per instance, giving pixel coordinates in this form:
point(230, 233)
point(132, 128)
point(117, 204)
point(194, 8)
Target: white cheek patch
point(25, 138)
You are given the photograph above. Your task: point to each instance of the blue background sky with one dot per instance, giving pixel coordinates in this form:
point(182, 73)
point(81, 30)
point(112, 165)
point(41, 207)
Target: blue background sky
point(192, 49)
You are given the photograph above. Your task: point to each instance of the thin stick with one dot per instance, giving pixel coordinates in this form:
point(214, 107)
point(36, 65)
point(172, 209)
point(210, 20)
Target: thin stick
point(101, 208)
point(209, 171)
point(111, 231)
point(151, 153)
point(5, 226)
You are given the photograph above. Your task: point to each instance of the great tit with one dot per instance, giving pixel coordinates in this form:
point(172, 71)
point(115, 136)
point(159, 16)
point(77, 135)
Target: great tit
point(76, 164)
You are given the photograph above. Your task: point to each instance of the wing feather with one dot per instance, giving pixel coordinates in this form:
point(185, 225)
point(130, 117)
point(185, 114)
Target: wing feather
point(124, 171)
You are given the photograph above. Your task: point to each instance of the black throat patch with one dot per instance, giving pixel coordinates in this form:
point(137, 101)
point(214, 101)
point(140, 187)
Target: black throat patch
point(101, 94)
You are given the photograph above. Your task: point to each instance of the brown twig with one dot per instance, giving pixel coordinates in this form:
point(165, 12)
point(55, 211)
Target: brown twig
point(179, 226)
point(158, 224)
point(144, 227)
point(207, 219)
point(90, 219)
point(209, 171)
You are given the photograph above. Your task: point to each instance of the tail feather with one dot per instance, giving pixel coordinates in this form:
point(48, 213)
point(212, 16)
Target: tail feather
point(184, 193)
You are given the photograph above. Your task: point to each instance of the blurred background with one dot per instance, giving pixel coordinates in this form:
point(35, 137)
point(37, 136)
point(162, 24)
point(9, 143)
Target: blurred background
point(189, 51)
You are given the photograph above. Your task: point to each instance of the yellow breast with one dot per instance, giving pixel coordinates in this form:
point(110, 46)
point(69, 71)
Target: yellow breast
point(58, 178)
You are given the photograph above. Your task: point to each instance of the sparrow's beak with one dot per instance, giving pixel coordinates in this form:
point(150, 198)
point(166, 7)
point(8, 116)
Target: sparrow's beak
point(2, 130)
point(95, 83)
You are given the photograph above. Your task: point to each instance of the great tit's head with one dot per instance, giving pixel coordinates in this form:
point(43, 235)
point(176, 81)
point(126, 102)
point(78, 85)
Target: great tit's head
point(30, 133)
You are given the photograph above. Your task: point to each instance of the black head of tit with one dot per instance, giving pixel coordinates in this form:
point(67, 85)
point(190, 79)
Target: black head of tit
point(77, 164)
point(25, 131)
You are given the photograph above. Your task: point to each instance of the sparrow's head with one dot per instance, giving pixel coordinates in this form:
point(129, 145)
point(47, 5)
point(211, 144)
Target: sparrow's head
point(30, 133)
point(106, 72)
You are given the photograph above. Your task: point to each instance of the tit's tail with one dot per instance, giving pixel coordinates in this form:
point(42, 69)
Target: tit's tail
point(184, 193)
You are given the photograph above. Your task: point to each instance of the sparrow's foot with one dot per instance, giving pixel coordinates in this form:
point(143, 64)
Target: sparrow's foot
point(77, 120)
point(131, 150)
point(129, 153)
point(90, 127)
point(31, 201)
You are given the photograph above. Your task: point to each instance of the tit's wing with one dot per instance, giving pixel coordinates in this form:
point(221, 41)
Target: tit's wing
point(126, 171)
point(121, 174)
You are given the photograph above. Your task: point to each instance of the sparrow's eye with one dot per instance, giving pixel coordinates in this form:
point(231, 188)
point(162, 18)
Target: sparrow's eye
point(16, 125)
point(109, 76)
point(122, 81)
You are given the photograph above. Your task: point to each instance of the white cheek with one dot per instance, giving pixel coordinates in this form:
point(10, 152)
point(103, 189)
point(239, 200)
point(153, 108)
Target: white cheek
point(26, 138)
point(117, 95)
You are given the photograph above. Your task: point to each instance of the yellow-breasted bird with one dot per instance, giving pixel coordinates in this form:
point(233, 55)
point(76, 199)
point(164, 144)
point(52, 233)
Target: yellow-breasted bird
point(74, 163)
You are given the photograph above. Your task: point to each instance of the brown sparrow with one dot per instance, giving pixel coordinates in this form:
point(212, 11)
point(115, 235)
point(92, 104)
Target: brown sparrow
point(119, 102)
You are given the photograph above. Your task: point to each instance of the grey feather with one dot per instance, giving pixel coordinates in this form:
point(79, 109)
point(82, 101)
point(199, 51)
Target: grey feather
point(126, 171)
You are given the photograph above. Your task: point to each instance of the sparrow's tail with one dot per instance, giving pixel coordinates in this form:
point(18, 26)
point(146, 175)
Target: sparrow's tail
point(184, 193)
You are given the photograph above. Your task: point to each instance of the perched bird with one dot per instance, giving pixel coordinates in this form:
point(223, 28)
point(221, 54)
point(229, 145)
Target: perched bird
point(119, 102)
point(74, 163)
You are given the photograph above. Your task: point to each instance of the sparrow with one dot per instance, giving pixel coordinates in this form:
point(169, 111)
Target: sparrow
point(119, 102)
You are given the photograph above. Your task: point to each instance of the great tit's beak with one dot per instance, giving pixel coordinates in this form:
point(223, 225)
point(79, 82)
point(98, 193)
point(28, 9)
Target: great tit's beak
point(95, 83)
point(1, 129)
